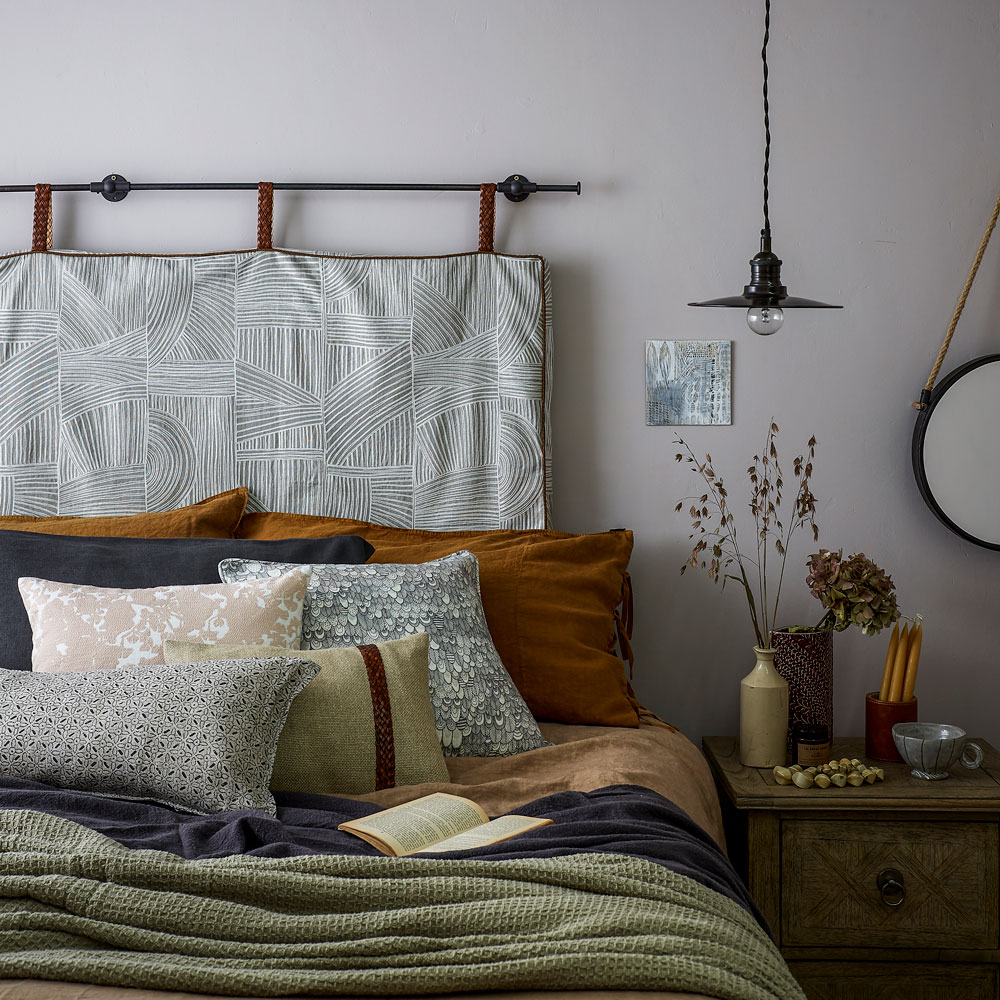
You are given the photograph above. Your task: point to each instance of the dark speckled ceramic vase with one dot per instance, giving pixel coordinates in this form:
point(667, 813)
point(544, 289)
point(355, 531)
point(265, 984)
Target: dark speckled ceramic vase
point(805, 660)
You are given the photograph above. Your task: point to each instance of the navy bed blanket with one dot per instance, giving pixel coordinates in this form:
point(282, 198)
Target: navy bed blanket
point(619, 819)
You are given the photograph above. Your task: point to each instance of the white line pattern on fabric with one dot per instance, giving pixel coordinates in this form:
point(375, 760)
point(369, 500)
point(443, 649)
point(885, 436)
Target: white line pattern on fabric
point(410, 391)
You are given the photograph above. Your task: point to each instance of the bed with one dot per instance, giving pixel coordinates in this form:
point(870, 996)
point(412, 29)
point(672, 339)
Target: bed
point(580, 759)
point(408, 397)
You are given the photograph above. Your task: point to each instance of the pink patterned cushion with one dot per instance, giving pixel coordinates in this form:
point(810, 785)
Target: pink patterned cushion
point(77, 627)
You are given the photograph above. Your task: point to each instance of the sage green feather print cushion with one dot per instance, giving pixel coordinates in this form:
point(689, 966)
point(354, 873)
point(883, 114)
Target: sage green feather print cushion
point(479, 711)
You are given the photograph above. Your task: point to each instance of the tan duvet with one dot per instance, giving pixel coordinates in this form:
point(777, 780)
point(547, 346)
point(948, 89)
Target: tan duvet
point(582, 758)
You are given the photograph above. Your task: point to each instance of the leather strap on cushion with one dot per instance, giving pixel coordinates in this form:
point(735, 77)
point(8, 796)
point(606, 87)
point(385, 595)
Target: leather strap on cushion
point(487, 217)
point(41, 229)
point(265, 215)
point(385, 748)
point(623, 623)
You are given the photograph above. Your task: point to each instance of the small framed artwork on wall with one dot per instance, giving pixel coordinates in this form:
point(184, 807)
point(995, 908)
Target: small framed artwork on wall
point(688, 382)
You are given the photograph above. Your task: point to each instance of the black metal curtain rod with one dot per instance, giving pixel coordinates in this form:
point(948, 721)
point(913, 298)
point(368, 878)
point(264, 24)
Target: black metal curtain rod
point(114, 187)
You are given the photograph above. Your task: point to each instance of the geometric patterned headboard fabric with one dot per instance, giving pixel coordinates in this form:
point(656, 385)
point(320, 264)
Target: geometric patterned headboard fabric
point(410, 391)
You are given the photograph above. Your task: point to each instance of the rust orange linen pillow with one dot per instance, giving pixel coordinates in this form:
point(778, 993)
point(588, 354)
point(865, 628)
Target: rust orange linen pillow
point(550, 600)
point(215, 517)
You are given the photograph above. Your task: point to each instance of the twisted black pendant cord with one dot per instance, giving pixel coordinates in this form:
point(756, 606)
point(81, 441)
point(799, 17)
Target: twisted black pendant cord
point(767, 118)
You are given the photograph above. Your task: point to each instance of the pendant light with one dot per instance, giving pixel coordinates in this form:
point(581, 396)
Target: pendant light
point(765, 298)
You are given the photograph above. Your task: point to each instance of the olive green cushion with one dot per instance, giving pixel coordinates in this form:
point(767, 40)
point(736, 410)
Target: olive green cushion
point(329, 743)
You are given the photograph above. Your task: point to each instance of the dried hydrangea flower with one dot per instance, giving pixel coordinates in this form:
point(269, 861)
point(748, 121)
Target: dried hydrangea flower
point(854, 591)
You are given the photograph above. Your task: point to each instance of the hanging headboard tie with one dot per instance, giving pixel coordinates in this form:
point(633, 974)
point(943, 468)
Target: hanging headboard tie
point(487, 216)
point(41, 229)
point(265, 215)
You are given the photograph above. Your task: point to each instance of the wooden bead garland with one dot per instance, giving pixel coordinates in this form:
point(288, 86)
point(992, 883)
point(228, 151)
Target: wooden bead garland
point(840, 773)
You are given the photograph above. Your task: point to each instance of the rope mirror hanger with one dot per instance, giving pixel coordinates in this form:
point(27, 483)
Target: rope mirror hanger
point(956, 439)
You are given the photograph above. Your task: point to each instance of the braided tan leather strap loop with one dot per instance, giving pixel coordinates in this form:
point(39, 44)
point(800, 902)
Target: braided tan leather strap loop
point(41, 229)
point(487, 216)
point(265, 215)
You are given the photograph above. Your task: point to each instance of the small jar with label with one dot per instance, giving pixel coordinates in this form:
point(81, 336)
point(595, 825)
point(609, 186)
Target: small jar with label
point(811, 744)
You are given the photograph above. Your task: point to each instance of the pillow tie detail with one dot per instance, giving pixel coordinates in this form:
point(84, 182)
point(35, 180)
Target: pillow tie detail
point(385, 749)
point(623, 623)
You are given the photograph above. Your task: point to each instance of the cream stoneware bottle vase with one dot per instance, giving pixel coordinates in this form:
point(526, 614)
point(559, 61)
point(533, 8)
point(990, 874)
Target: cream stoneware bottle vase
point(763, 713)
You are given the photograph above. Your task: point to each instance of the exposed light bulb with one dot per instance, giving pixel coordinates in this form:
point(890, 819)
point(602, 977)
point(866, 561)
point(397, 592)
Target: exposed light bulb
point(765, 320)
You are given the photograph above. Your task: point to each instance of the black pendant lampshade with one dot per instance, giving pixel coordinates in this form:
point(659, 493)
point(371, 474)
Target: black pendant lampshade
point(765, 298)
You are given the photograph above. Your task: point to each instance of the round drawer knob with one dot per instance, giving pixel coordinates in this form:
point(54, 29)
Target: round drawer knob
point(890, 885)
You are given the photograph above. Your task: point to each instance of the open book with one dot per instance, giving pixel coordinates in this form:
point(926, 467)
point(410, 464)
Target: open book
point(438, 822)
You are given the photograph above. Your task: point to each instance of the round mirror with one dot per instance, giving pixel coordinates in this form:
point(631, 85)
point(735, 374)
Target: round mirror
point(956, 451)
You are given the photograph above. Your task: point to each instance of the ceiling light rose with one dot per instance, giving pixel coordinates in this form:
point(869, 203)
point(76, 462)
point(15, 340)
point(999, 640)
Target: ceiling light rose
point(765, 298)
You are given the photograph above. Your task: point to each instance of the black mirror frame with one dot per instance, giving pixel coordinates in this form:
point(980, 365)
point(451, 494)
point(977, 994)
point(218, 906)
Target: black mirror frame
point(917, 451)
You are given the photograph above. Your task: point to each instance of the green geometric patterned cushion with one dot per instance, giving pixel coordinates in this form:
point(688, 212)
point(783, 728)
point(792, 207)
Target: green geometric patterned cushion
point(196, 739)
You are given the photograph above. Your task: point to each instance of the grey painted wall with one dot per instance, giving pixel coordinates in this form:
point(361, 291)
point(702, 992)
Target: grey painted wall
point(886, 164)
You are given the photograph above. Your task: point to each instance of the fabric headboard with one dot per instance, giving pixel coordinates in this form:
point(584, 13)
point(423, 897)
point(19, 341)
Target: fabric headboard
point(411, 391)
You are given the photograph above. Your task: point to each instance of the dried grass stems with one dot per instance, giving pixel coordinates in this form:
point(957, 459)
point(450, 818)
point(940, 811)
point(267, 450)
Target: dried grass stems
point(713, 525)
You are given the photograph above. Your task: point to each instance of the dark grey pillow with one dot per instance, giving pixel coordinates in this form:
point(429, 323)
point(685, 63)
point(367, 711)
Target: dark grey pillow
point(136, 563)
point(200, 738)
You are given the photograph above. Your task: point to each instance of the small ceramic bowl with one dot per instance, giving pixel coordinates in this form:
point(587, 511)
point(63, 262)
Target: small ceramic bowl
point(930, 748)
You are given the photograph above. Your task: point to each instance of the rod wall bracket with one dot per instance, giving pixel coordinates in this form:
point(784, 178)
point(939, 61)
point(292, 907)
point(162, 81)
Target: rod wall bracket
point(516, 187)
point(114, 187)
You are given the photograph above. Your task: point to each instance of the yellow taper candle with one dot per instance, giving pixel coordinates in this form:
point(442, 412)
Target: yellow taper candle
point(890, 661)
point(899, 666)
point(912, 662)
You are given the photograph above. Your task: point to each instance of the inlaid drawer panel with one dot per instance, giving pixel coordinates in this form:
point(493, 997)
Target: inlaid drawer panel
point(888, 883)
point(895, 981)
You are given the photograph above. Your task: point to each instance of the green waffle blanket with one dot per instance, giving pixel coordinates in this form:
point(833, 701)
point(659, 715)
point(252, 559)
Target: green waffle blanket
point(77, 906)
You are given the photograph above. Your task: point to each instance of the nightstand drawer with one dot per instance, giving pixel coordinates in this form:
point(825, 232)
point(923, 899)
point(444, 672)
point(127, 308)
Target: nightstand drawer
point(945, 892)
point(895, 981)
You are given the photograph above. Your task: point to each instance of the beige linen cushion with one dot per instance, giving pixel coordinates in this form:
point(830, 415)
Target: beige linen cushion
point(365, 722)
point(76, 627)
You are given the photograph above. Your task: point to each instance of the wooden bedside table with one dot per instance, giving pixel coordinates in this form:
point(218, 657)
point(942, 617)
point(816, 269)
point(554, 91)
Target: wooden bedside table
point(819, 863)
